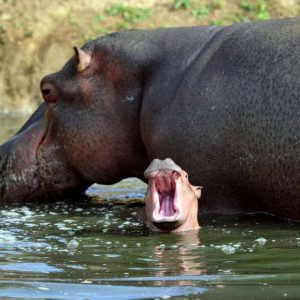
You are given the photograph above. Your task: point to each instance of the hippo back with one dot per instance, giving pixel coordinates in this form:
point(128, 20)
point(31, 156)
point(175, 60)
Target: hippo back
point(232, 120)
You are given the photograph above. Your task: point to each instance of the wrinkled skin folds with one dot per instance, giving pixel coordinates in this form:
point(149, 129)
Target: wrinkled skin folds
point(171, 202)
point(222, 102)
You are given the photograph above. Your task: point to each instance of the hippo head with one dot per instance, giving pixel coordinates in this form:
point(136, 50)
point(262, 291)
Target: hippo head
point(171, 201)
point(87, 130)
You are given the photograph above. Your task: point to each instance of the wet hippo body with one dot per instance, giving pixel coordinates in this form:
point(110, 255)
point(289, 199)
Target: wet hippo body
point(223, 102)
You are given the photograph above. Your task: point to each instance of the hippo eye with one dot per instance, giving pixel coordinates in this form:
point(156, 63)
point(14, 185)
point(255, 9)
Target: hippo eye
point(186, 176)
point(49, 92)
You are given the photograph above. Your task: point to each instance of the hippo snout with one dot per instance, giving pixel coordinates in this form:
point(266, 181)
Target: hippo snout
point(31, 172)
point(18, 165)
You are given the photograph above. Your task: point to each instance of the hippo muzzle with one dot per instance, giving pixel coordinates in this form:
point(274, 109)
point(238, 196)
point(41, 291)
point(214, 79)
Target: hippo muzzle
point(18, 164)
point(31, 172)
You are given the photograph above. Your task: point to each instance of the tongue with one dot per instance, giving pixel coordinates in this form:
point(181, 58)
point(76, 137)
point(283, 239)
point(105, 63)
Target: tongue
point(166, 205)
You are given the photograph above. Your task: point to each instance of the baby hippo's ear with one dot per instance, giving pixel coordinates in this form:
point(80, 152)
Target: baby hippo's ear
point(197, 191)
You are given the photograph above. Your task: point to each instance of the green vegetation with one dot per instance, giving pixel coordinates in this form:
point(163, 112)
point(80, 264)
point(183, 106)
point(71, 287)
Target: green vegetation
point(128, 14)
point(182, 4)
point(257, 10)
point(250, 10)
point(100, 18)
point(97, 26)
point(213, 12)
point(202, 11)
point(218, 22)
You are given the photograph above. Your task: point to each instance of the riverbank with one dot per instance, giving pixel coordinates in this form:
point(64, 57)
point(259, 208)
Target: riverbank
point(36, 37)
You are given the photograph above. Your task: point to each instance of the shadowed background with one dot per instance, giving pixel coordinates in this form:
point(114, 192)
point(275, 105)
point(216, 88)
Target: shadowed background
point(37, 36)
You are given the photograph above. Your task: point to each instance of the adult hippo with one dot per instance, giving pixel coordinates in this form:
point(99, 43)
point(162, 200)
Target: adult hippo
point(223, 102)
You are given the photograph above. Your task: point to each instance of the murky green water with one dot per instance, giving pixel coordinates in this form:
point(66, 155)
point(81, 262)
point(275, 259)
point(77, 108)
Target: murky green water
point(94, 248)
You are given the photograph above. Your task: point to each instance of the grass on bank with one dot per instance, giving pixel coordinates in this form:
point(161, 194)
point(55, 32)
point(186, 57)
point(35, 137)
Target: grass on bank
point(214, 12)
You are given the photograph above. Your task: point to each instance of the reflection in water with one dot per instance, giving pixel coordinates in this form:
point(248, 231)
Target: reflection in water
point(181, 258)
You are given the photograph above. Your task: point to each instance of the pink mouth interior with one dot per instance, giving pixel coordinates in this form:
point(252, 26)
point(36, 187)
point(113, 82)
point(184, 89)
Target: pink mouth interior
point(166, 201)
point(165, 183)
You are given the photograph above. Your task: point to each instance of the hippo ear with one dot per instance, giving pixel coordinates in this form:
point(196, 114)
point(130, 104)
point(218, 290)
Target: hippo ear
point(197, 191)
point(83, 58)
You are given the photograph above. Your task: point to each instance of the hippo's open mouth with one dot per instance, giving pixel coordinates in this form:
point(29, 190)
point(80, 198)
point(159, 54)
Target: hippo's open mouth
point(166, 197)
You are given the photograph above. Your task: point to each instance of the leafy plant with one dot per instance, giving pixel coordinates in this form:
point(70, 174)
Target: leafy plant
point(259, 9)
point(218, 22)
point(129, 14)
point(115, 10)
point(124, 25)
point(247, 6)
point(182, 4)
point(202, 11)
point(263, 13)
point(100, 18)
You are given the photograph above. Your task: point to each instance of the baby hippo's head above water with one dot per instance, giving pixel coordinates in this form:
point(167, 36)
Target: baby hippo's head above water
point(171, 201)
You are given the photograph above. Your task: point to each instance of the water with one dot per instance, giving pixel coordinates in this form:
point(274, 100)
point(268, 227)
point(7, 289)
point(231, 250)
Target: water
point(93, 247)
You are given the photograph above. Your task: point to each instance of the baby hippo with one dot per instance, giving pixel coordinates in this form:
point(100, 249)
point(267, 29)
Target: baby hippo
point(171, 201)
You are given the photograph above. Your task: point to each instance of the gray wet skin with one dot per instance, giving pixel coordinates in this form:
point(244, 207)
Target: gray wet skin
point(223, 102)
